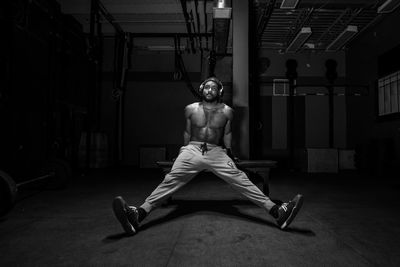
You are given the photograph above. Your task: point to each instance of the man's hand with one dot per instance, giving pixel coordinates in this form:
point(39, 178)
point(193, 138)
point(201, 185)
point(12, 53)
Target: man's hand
point(230, 154)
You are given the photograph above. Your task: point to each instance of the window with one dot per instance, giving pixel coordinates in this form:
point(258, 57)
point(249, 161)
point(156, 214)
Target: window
point(389, 94)
point(280, 87)
point(388, 85)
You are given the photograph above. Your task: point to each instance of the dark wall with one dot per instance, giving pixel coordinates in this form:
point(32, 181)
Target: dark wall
point(154, 116)
point(153, 101)
point(43, 95)
point(377, 141)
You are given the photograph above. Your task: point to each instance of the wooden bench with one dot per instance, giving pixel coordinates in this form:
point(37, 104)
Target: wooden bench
point(260, 167)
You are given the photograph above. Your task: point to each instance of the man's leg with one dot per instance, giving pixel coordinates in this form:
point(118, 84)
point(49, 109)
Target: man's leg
point(185, 167)
point(183, 170)
point(224, 167)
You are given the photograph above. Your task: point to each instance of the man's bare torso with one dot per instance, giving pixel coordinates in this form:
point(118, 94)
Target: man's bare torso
point(207, 124)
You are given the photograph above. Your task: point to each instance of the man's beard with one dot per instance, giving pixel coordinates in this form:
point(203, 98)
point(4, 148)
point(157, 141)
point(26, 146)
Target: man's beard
point(210, 100)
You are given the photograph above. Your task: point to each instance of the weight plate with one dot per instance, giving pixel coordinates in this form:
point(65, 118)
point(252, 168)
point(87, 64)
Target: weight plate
point(8, 193)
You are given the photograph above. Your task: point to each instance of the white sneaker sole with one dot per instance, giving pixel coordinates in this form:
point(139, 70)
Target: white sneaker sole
point(294, 212)
point(119, 211)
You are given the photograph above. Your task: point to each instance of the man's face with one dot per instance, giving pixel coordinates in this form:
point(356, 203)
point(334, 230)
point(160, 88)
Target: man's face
point(210, 91)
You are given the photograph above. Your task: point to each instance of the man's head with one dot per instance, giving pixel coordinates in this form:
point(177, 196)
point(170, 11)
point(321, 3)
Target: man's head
point(211, 90)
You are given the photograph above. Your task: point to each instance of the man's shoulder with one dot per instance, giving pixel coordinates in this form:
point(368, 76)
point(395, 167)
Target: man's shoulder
point(227, 108)
point(228, 111)
point(189, 109)
point(193, 105)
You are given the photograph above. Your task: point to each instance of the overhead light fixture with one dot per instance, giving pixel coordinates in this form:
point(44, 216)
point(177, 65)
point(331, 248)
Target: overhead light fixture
point(342, 39)
point(221, 11)
point(309, 45)
point(388, 6)
point(289, 4)
point(299, 40)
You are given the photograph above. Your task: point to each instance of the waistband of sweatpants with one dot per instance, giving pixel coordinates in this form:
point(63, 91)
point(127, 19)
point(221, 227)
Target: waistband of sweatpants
point(197, 143)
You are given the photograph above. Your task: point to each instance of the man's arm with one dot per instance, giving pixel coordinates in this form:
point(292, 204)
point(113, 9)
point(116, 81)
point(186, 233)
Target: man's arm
point(228, 133)
point(187, 132)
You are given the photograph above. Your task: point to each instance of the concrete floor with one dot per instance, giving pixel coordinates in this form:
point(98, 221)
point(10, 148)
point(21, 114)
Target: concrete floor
point(346, 220)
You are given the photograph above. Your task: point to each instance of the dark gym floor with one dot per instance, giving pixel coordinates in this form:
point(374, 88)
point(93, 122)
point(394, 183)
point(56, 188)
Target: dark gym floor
point(346, 220)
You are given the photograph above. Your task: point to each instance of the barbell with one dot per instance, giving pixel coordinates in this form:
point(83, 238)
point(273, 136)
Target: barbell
point(55, 174)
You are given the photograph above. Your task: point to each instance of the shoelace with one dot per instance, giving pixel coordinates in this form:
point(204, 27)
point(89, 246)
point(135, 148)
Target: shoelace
point(131, 210)
point(203, 148)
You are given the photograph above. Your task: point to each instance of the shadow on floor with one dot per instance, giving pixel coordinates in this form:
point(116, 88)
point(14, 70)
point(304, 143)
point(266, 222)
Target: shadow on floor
point(228, 208)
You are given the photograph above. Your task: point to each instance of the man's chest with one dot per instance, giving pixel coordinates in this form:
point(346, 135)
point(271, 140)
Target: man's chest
point(214, 118)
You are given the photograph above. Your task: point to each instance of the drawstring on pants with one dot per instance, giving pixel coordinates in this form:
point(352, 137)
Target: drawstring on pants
point(203, 148)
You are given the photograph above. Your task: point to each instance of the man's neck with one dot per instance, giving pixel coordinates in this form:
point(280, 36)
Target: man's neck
point(210, 105)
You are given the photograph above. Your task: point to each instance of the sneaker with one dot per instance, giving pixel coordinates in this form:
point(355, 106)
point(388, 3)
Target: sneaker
point(287, 211)
point(126, 215)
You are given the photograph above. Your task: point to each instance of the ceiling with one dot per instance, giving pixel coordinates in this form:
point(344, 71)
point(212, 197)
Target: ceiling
point(327, 19)
point(276, 27)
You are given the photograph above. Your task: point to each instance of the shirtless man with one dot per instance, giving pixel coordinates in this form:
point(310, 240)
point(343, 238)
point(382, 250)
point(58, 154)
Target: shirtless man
point(208, 124)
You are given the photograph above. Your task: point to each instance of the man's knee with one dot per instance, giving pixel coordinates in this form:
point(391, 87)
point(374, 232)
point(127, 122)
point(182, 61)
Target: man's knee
point(168, 179)
point(234, 172)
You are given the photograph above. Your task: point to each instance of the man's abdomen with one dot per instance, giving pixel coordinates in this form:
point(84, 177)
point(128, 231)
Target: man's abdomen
point(208, 135)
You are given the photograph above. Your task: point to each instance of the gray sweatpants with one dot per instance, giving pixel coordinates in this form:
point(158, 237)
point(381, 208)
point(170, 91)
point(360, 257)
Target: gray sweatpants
point(191, 160)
